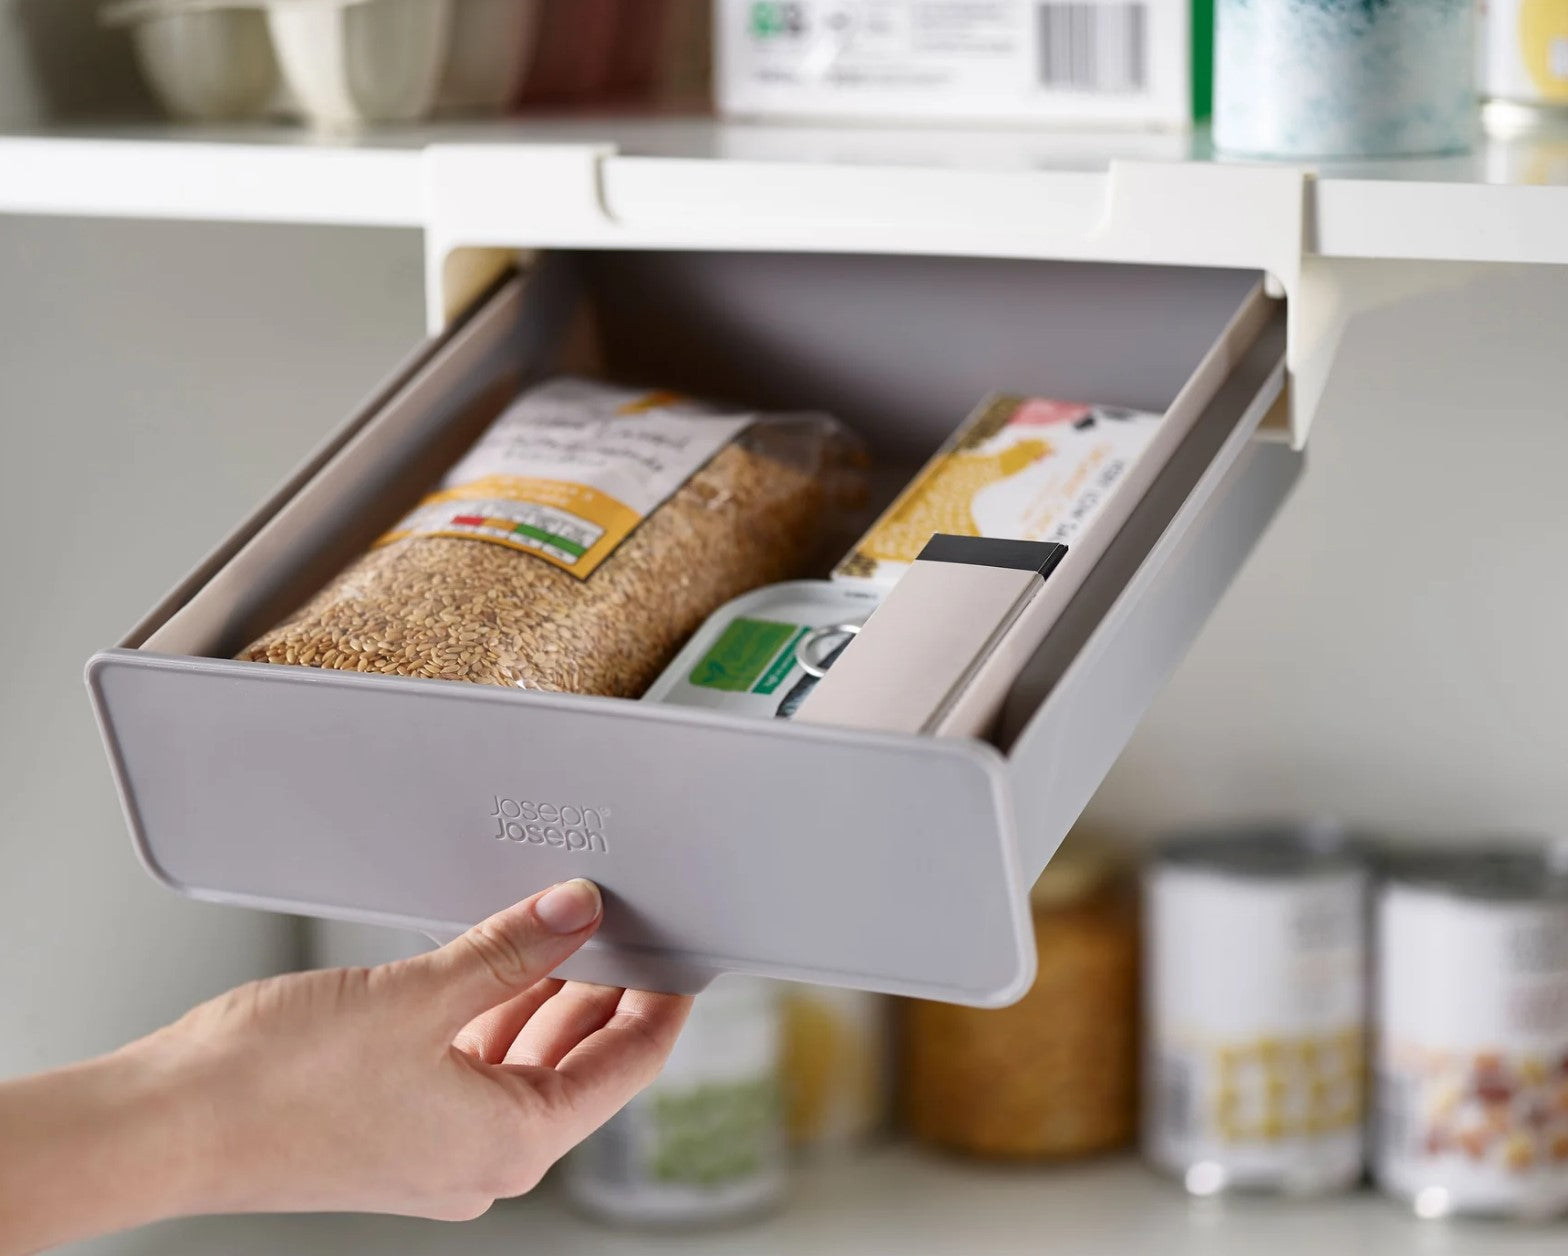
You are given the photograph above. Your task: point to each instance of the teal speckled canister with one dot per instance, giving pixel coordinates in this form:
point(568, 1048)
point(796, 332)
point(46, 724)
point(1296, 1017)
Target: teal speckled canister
point(1344, 78)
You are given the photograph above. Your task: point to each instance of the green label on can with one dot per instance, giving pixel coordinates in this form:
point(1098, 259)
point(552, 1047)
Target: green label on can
point(742, 654)
point(715, 1134)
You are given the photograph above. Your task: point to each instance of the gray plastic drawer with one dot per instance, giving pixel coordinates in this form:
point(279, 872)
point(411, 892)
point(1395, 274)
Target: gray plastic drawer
point(888, 862)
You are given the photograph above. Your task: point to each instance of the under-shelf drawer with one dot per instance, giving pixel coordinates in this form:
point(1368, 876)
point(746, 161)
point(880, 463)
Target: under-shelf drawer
point(890, 862)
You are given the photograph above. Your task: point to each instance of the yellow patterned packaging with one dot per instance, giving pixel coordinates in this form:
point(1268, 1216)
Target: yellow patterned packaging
point(1019, 468)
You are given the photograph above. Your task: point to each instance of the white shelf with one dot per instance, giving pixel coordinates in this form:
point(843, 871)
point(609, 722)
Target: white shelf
point(481, 191)
point(1507, 201)
point(900, 1201)
point(261, 175)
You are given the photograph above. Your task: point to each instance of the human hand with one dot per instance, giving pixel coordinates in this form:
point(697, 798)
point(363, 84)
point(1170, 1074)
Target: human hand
point(429, 1087)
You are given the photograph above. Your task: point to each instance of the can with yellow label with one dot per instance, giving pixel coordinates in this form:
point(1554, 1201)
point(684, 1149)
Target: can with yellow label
point(1524, 52)
point(1255, 1010)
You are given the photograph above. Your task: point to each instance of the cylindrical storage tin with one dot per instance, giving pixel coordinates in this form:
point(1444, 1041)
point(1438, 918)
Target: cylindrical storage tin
point(1472, 1021)
point(1255, 1004)
point(1524, 52)
point(705, 1143)
point(1343, 78)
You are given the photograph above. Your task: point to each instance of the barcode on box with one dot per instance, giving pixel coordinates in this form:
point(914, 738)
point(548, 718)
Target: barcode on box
point(1085, 46)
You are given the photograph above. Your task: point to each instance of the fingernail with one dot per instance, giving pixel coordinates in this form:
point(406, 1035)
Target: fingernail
point(570, 906)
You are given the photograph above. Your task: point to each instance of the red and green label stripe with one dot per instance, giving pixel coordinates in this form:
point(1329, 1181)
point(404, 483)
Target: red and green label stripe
point(520, 529)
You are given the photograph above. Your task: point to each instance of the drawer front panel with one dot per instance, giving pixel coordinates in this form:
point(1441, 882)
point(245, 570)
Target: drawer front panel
point(789, 851)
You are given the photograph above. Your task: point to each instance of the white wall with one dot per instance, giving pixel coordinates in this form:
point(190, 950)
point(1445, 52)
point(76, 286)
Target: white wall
point(155, 381)
point(1396, 651)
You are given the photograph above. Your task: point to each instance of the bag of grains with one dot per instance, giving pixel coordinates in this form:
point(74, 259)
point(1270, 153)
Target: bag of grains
point(580, 541)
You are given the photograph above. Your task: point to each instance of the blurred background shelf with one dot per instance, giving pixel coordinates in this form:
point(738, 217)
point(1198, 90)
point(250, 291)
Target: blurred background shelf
point(1505, 201)
point(901, 1201)
point(169, 171)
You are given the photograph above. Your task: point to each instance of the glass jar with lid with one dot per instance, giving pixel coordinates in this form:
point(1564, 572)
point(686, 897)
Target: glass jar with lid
point(705, 1143)
point(1055, 1075)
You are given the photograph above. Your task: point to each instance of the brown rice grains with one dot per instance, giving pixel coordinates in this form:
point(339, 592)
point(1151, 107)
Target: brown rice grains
point(461, 609)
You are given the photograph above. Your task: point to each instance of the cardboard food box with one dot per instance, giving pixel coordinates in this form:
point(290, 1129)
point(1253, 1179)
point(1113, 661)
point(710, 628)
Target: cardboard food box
point(1142, 63)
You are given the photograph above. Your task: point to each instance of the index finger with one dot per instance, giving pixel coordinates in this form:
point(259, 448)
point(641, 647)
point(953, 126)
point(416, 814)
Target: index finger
point(614, 1062)
point(498, 959)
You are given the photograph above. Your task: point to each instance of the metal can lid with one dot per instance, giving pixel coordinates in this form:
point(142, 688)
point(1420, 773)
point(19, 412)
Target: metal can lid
point(1268, 851)
point(1507, 870)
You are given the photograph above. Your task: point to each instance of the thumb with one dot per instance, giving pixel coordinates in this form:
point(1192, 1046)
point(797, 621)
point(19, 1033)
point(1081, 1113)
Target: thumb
point(502, 956)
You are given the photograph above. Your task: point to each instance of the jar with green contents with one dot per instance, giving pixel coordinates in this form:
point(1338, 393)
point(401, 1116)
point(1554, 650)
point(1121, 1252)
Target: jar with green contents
point(705, 1143)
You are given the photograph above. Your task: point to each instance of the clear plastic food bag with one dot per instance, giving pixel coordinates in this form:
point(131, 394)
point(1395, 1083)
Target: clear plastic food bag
point(580, 541)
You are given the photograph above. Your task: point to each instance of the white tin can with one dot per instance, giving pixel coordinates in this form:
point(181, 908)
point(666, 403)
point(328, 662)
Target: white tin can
point(1255, 1003)
point(705, 1143)
point(1472, 1050)
point(1343, 78)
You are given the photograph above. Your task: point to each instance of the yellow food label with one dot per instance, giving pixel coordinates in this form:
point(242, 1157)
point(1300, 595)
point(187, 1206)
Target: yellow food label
point(940, 500)
point(574, 526)
point(570, 469)
point(1271, 1089)
point(1524, 51)
point(1019, 468)
point(1543, 46)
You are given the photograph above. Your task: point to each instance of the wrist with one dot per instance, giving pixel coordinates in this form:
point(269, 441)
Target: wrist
point(163, 1132)
point(92, 1148)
